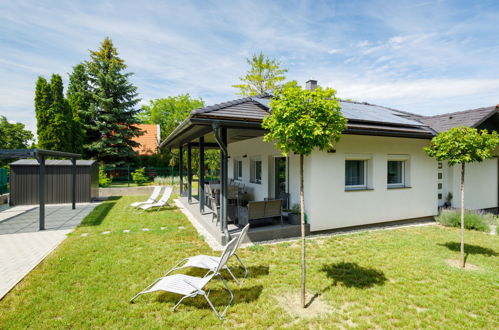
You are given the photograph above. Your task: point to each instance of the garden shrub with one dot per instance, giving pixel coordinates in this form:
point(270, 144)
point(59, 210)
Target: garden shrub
point(104, 180)
point(139, 177)
point(475, 220)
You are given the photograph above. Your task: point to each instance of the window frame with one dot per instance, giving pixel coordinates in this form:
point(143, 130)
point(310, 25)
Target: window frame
point(238, 169)
point(362, 186)
point(253, 171)
point(402, 176)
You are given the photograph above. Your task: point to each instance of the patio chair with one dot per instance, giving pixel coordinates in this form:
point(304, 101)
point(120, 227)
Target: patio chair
point(191, 286)
point(211, 262)
point(152, 199)
point(161, 203)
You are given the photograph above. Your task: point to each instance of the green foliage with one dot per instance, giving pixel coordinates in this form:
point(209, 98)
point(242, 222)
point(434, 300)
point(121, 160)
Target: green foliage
point(78, 97)
point(474, 220)
point(302, 120)
point(256, 248)
point(463, 145)
point(110, 119)
point(169, 112)
point(13, 136)
point(264, 76)
point(43, 102)
point(139, 177)
point(104, 180)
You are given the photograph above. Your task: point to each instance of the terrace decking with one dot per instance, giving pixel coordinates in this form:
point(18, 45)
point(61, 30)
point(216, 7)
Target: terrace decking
point(255, 234)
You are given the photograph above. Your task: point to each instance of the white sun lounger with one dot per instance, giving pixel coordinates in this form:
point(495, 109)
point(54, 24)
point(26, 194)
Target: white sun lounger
point(211, 262)
point(191, 286)
point(161, 203)
point(152, 199)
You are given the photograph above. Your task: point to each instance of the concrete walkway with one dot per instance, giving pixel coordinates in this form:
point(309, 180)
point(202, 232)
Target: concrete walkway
point(23, 246)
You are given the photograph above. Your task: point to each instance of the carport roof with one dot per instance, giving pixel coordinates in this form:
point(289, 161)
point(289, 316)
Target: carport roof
point(52, 162)
point(33, 153)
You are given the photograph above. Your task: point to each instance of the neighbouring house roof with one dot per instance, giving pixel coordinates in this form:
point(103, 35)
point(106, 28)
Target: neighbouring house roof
point(363, 118)
point(149, 141)
point(471, 118)
point(52, 162)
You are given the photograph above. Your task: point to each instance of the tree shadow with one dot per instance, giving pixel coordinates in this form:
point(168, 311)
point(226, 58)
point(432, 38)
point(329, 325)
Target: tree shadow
point(353, 275)
point(469, 249)
point(253, 271)
point(219, 296)
point(99, 213)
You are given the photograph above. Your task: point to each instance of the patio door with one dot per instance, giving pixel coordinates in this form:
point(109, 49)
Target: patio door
point(279, 175)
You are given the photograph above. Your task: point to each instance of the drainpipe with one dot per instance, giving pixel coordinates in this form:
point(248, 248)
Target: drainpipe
point(220, 134)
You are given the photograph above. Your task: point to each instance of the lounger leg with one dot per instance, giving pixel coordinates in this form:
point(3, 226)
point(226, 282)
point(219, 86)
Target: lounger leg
point(246, 272)
point(142, 292)
point(135, 297)
point(231, 274)
point(180, 301)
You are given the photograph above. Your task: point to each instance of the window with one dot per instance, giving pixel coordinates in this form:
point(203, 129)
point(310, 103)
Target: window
point(440, 176)
point(396, 173)
point(256, 171)
point(356, 174)
point(238, 169)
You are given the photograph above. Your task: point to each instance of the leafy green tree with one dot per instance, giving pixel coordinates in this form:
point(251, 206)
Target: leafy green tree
point(43, 103)
point(169, 112)
point(139, 177)
point(13, 136)
point(112, 112)
point(462, 145)
point(301, 121)
point(264, 76)
point(78, 96)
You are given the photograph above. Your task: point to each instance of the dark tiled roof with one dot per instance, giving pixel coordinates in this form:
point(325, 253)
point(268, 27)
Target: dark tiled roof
point(52, 162)
point(470, 118)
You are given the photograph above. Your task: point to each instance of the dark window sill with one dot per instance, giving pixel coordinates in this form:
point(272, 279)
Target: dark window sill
point(401, 187)
point(359, 189)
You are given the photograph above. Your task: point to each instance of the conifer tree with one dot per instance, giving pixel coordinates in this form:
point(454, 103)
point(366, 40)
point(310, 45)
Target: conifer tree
point(61, 119)
point(43, 102)
point(78, 97)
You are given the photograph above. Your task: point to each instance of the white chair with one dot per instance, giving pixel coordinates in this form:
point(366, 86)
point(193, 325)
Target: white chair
point(152, 199)
point(191, 286)
point(211, 262)
point(162, 202)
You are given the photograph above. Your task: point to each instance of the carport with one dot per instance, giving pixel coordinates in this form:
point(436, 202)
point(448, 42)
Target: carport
point(41, 155)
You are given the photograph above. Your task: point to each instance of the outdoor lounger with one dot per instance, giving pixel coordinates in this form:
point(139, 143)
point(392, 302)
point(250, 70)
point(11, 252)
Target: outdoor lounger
point(162, 202)
point(152, 199)
point(211, 262)
point(191, 286)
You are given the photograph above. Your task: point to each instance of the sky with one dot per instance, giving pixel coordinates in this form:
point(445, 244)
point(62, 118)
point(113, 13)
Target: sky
point(427, 57)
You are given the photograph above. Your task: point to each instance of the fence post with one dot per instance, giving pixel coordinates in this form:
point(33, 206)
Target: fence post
point(173, 175)
point(128, 175)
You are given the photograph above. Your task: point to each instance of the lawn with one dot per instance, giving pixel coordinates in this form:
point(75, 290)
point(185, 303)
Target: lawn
point(391, 279)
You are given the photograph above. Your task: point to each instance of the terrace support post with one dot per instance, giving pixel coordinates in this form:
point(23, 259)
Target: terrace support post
point(41, 192)
point(73, 183)
point(181, 170)
point(201, 175)
point(224, 185)
point(189, 173)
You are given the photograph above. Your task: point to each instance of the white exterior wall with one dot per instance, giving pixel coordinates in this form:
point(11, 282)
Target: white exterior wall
point(327, 204)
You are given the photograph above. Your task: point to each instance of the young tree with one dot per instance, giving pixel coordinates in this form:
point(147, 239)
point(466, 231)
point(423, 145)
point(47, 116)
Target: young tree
point(461, 145)
point(78, 97)
point(112, 107)
point(169, 112)
point(13, 136)
point(299, 122)
point(264, 76)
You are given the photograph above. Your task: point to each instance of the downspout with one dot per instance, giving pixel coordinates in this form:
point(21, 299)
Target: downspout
point(223, 180)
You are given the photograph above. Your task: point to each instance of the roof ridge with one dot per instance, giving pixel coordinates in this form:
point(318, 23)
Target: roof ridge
point(492, 108)
point(226, 104)
point(382, 106)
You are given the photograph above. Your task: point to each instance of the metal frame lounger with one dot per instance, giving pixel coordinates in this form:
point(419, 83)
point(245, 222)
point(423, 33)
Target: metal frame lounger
point(152, 199)
point(162, 202)
point(211, 262)
point(191, 286)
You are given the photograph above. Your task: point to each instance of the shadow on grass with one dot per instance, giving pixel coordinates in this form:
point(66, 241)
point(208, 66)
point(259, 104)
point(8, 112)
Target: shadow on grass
point(353, 275)
point(219, 296)
point(98, 214)
point(253, 271)
point(469, 249)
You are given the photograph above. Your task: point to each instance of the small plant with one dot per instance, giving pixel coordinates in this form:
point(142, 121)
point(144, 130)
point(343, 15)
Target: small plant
point(474, 220)
point(448, 200)
point(139, 177)
point(295, 209)
point(104, 180)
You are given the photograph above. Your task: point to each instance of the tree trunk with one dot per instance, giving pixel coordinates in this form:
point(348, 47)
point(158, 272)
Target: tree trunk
point(302, 221)
point(462, 215)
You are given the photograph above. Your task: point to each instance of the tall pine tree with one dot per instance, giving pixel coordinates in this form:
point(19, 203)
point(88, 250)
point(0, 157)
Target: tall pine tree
point(78, 97)
point(112, 109)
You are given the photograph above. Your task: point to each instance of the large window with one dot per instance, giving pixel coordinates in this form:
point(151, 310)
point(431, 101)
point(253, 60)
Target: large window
point(256, 170)
point(238, 169)
point(396, 173)
point(356, 174)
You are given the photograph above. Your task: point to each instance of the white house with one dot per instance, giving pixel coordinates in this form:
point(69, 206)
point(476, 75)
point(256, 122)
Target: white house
point(377, 173)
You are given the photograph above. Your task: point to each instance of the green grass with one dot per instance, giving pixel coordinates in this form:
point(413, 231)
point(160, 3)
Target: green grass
point(389, 279)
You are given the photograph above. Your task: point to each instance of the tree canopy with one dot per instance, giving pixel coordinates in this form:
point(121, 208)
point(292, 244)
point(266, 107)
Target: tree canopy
point(302, 120)
point(13, 136)
point(265, 75)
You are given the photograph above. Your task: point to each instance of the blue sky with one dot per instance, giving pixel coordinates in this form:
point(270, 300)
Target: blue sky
point(427, 57)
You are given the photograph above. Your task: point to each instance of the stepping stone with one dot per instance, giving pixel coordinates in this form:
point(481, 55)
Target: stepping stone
point(145, 229)
point(181, 227)
point(106, 232)
point(84, 234)
point(162, 228)
point(126, 230)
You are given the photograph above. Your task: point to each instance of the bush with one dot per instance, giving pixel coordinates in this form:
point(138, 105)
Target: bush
point(475, 220)
point(139, 177)
point(162, 180)
point(104, 180)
